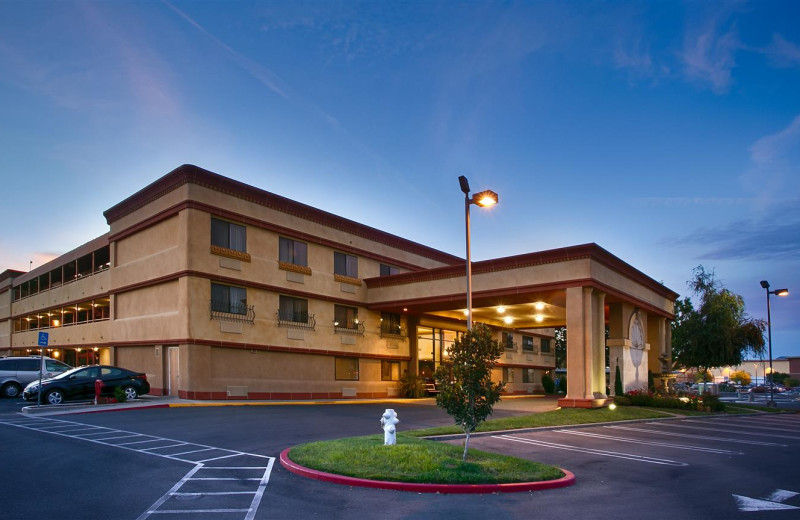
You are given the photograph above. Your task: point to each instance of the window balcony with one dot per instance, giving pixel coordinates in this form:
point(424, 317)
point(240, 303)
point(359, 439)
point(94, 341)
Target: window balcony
point(393, 331)
point(354, 326)
point(230, 311)
point(296, 320)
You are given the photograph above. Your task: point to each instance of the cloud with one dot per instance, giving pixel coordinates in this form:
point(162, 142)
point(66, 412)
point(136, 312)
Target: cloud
point(774, 236)
point(782, 53)
point(709, 54)
point(774, 165)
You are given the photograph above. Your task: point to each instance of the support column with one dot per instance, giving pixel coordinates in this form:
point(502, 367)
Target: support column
point(582, 344)
point(599, 346)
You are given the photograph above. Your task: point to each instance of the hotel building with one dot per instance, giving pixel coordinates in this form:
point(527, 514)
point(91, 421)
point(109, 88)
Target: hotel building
point(220, 290)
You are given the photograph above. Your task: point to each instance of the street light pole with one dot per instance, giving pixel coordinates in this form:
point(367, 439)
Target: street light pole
point(777, 292)
point(483, 199)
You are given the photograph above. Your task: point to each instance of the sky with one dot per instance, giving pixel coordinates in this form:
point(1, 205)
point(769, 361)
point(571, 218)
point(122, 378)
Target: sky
point(666, 132)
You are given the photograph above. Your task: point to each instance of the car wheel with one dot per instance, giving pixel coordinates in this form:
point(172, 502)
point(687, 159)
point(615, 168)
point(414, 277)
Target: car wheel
point(11, 390)
point(130, 393)
point(55, 397)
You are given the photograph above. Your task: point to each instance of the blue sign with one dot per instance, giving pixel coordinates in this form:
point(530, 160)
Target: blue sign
point(43, 337)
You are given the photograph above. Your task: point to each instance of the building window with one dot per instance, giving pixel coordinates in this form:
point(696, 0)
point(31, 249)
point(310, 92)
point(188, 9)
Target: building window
point(345, 265)
point(229, 303)
point(527, 343)
point(292, 251)
point(391, 326)
point(388, 270)
point(293, 312)
point(393, 370)
point(508, 340)
point(508, 375)
point(545, 345)
point(345, 319)
point(346, 368)
point(228, 235)
point(527, 375)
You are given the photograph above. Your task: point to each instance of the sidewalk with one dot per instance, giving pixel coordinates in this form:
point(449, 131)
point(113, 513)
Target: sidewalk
point(525, 404)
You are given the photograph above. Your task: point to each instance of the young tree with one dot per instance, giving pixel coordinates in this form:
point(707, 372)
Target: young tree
point(740, 377)
point(719, 332)
point(466, 390)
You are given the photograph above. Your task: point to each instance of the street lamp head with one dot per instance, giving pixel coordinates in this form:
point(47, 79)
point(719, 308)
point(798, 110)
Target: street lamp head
point(781, 292)
point(464, 184)
point(765, 284)
point(485, 199)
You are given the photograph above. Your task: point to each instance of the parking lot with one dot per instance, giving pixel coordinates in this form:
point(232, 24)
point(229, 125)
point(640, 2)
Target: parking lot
point(218, 463)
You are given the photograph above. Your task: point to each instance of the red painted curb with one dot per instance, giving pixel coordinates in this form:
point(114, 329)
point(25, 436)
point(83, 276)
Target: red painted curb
point(567, 480)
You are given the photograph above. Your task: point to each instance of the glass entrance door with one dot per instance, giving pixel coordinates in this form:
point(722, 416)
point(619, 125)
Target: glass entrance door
point(432, 345)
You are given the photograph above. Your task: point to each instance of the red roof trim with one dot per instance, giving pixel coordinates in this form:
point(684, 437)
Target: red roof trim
point(192, 174)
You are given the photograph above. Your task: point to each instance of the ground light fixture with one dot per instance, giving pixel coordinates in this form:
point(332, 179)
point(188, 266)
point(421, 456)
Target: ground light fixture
point(484, 199)
point(776, 292)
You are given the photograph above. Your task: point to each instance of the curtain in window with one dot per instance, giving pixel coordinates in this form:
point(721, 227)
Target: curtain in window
point(219, 233)
point(238, 238)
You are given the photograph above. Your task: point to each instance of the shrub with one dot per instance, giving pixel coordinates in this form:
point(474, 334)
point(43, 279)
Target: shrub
point(618, 382)
point(119, 395)
point(562, 385)
point(411, 386)
point(548, 384)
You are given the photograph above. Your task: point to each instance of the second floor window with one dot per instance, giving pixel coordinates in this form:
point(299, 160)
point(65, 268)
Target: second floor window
point(345, 317)
point(527, 343)
point(390, 323)
point(545, 345)
point(508, 340)
point(345, 265)
point(292, 251)
point(228, 235)
point(228, 299)
point(293, 309)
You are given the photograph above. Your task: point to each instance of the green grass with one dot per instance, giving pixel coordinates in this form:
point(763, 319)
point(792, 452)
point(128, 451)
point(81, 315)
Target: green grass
point(417, 460)
point(562, 417)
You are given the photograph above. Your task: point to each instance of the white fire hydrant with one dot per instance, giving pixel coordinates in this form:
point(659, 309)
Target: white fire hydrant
point(389, 420)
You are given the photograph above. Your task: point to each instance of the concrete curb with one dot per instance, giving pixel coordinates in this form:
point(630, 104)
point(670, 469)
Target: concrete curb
point(567, 480)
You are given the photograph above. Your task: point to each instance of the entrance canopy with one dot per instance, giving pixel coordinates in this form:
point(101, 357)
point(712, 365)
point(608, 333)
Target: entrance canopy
point(529, 290)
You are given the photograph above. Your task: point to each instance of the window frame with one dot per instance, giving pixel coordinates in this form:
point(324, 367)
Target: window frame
point(290, 253)
point(345, 264)
point(337, 366)
point(230, 243)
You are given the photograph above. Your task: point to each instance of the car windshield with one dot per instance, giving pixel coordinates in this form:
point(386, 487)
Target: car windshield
point(79, 372)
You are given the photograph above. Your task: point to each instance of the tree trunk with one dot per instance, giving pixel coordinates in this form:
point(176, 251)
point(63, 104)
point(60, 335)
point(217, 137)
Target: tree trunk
point(466, 447)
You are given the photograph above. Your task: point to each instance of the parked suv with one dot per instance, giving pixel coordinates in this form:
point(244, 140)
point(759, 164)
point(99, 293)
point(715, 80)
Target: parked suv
point(16, 372)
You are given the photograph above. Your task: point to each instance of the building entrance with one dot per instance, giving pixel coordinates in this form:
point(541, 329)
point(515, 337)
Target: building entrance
point(432, 344)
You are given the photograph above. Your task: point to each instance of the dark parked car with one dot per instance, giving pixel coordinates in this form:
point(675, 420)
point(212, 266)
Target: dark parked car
point(78, 383)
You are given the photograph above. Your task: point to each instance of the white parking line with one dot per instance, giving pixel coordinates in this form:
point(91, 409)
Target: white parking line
point(744, 424)
point(649, 443)
point(726, 430)
point(604, 453)
point(161, 506)
point(689, 436)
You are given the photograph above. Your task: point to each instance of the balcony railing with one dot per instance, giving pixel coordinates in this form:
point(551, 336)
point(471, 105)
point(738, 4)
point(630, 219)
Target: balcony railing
point(231, 311)
point(392, 331)
point(354, 326)
point(296, 320)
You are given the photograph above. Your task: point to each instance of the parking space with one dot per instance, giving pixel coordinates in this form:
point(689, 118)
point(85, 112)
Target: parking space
point(220, 482)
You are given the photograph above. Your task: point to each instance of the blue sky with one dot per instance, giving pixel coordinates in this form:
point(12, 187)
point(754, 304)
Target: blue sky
point(666, 132)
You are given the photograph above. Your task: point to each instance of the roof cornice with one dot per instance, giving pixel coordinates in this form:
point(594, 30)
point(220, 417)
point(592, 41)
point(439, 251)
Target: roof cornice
point(189, 173)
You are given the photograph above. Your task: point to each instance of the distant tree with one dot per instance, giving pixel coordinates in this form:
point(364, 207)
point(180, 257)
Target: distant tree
point(779, 377)
point(718, 333)
point(560, 342)
point(466, 390)
point(740, 377)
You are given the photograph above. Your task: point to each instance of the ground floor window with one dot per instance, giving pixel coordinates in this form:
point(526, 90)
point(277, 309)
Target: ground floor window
point(527, 375)
point(508, 375)
point(346, 368)
point(393, 370)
